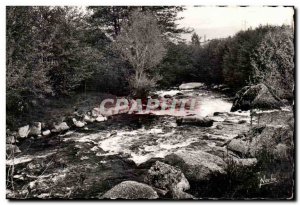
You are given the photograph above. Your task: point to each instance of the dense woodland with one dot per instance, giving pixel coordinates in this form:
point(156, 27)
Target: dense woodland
point(59, 51)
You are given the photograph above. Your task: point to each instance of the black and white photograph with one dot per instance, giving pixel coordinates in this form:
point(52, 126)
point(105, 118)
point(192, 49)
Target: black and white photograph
point(162, 102)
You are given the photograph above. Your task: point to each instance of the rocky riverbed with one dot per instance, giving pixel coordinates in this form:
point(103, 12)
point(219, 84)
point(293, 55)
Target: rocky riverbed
point(155, 155)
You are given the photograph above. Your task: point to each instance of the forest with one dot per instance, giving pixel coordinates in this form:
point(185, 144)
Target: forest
point(58, 51)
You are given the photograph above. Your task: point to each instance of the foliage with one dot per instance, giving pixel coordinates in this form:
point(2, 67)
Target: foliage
point(177, 66)
point(237, 68)
point(141, 44)
point(273, 62)
point(110, 18)
point(195, 40)
point(45, 54)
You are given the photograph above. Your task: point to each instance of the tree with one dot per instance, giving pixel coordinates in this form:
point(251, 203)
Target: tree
point(140, 42)
point(273, 62)
point(26, 75)
point(177, 66)
point(46, 54)
point(110, 18)
point(237, 68)
point(195, 40)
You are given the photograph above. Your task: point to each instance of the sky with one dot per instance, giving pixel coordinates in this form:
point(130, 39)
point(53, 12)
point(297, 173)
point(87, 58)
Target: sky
point(220, 22)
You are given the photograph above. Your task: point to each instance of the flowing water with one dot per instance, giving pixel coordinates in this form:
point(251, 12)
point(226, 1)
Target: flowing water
point(110, 152)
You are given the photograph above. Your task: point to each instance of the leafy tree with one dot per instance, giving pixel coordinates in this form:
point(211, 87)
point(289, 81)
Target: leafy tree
point(177, 66)
point(237, 68)
point(141, 44)
point(46, 54)
point(208, 61)
point(110, 18)
point(26, 75)
point(273, 61)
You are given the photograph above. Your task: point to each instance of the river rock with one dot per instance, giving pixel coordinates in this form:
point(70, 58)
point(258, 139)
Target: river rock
point(196, 165)
point(10, 139)
point(195, 120)
point(240, 146)
point(87, 118)
point(24, 131)
point(101, 118)
point(256, 96)
point(78, 123)
point(167, 177)
point(167, 96)
point(131, 190)
point(35, 129)
point(10, 148)
point(187, 86)
point(46, 132)
point(96, 112)
point(61, 127)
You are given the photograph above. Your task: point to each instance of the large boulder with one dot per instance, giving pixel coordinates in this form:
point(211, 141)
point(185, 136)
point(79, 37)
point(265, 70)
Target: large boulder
point(131, 190)
point(277, 141)
point(195, 120)
point(168, 178)
point(256, 96)
point(187, 86)
point(197, 165)
point(239, 146)
point(273, 140)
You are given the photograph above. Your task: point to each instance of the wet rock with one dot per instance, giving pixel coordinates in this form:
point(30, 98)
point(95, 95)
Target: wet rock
point(88, 118)
point(219, 127)
point(96, 112)
point(78, 123)
point(256, 96)
point(179, 94)
point(35, 129)
point(196, 165)
point(187, 86)
point(46, 132)
point(167, 177)
point(101, 118)
point(220, 114)
point(24, 131)
point(167, 96)
point(61, 127)
point(242, 121)
point(195, 120)
point(131, 190)
point(182, 195)
point(10, 148)
point(11, 139)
